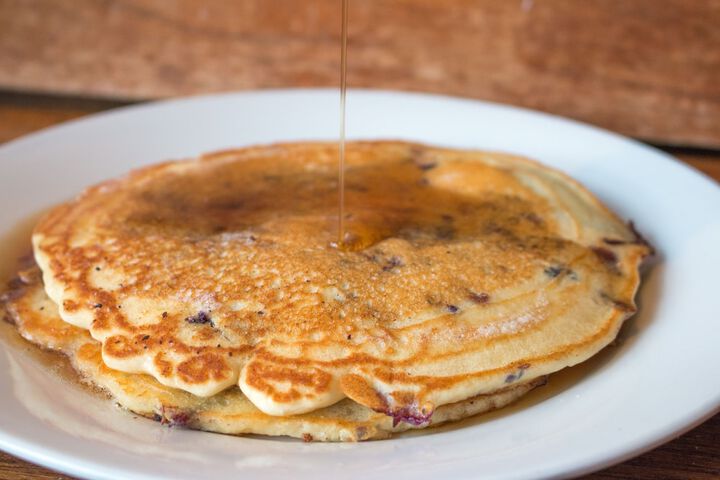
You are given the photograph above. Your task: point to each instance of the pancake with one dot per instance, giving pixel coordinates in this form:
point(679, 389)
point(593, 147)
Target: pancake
point(462, 273)
point(36, 318)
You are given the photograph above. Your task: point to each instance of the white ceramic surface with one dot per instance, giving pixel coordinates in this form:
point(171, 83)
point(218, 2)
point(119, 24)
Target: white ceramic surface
point(658, 382)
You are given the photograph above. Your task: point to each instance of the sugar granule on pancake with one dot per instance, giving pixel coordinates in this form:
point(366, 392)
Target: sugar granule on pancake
point(467, 272)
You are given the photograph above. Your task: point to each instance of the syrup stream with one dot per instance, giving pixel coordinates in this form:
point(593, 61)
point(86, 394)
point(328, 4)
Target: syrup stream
point(341, 146)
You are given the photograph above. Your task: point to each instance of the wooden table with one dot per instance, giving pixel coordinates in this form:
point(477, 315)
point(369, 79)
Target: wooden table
point(645, 68)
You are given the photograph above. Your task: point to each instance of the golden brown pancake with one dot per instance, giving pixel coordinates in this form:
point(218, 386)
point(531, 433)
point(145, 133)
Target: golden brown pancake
point(463, 272)
point(36, 319)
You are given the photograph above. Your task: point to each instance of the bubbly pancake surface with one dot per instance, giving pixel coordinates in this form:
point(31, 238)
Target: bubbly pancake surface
point(463, 273)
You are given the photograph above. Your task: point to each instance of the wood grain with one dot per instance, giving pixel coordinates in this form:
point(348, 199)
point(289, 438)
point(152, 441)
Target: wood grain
point(693, 456)
point(646, 68)
point(12, 468)
point(21, 114)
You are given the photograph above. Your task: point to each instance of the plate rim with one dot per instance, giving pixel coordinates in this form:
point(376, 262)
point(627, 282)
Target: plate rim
point(354, 91)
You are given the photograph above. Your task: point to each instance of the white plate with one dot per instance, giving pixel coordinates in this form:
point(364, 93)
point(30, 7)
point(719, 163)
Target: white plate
point(660, 381)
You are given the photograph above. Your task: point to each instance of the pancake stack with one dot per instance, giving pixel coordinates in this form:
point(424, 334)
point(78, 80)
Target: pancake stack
point(213, 294)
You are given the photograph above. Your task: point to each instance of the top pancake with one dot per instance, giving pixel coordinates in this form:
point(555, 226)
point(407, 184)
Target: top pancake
point(463, 272)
